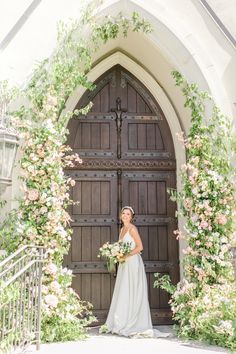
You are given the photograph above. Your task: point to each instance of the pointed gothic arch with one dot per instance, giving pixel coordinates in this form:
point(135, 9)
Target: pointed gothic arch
point(129, 158)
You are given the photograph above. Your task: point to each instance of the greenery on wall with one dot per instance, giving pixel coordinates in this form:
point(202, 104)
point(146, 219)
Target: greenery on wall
point(42, 218)
point(204, 304)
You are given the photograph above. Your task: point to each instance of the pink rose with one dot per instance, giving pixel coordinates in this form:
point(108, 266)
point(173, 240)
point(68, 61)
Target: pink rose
point(55, 286)
point(51, 300)
point(198, 243)
point(188, 203)
point(194, 218)
point(209, 244)
point(32, 236)
point(33, 194)
point(43, 210)
point(51, 269)
point(203, 224)
point(222, 219)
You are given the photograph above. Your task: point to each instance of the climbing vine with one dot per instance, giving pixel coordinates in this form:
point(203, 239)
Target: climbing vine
point(42, 217)
point(204, 304)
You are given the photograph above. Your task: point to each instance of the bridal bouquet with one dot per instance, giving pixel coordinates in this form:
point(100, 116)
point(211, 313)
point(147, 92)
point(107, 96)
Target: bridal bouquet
point(114, 253)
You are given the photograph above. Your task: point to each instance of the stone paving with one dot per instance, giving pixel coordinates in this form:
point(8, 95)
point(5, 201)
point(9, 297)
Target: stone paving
point(113, 344)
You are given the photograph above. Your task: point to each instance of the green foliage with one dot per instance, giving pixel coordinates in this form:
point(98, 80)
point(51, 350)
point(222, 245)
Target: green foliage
point(57, 329)
point(204, 302)
point(164, 282)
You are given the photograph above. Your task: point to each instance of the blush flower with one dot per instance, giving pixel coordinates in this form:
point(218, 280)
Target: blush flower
point(51, 269)
point(51, 300)
point(203, 224)
point(221, 219)
point(33, 194)
point(55, 286)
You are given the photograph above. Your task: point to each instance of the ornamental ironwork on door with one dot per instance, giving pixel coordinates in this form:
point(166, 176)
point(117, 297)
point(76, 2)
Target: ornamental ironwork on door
point(128, 159)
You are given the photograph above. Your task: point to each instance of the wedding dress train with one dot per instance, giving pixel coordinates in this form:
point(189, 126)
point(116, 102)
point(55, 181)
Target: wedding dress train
point(129, 313)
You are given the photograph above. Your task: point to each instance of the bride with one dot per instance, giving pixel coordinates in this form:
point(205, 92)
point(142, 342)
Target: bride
point(129, 313)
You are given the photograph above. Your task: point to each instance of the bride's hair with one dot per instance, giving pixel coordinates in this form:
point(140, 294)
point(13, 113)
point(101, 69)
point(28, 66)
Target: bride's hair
point(127, 207)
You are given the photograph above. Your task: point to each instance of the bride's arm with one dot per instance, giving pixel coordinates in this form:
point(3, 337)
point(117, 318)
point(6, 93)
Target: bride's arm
point(138, 242)
point(120, 232)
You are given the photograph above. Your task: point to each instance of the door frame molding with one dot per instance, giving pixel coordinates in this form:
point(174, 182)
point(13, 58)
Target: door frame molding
point(159, 95)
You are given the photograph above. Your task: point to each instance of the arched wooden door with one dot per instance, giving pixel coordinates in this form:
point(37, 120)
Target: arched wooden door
point(128, 159)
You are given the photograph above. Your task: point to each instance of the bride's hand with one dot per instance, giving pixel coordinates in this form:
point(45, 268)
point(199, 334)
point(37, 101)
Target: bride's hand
point(122, 259)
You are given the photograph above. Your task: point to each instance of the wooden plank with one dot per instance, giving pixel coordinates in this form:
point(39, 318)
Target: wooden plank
point(154, 293)
point(85, 136)
point(143, 231)
point(162, 243)
point(96, 103)
point(104, 99)
point(164, 298)
point(140, 104)
point(105, 198)
point(133, 195)
point(96, 197)
point(105, 235)
point(161, 198)
point(76, 284)
point(159, 141)
point(142, 200)
point(86, 197)
point(76, 209)
point(151, 136)
point(86, 243)
point(153, 243)
point(95, 136)
point(76, 242)
point(152, 199)
point(96, 290)
point(142, 137)
point(132, 107)
point(132, 136)
point(105, 291)
point(86, 287)
point(96, 242)
point(112, 92)
point(78, 137)
point(105, 136)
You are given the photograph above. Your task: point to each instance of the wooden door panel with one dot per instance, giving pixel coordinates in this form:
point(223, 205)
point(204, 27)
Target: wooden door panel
point(94, 136)
point(142, 137)
point(147, 192)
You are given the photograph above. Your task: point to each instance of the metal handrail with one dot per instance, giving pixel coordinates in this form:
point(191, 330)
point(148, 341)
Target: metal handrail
point(20, 298)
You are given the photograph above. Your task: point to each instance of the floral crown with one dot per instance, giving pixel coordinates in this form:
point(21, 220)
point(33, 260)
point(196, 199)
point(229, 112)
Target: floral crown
point(128, 207)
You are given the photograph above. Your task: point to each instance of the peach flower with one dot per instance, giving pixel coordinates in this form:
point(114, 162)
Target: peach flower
point(33, 194)
point(203, 224)
point(222, 219)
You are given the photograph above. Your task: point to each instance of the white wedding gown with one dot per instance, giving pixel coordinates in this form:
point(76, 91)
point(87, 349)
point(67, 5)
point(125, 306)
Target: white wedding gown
point(129, 313)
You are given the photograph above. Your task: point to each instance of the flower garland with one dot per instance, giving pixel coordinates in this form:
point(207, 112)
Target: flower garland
point(42, 216)
point(208, 196)
point(204, 304)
